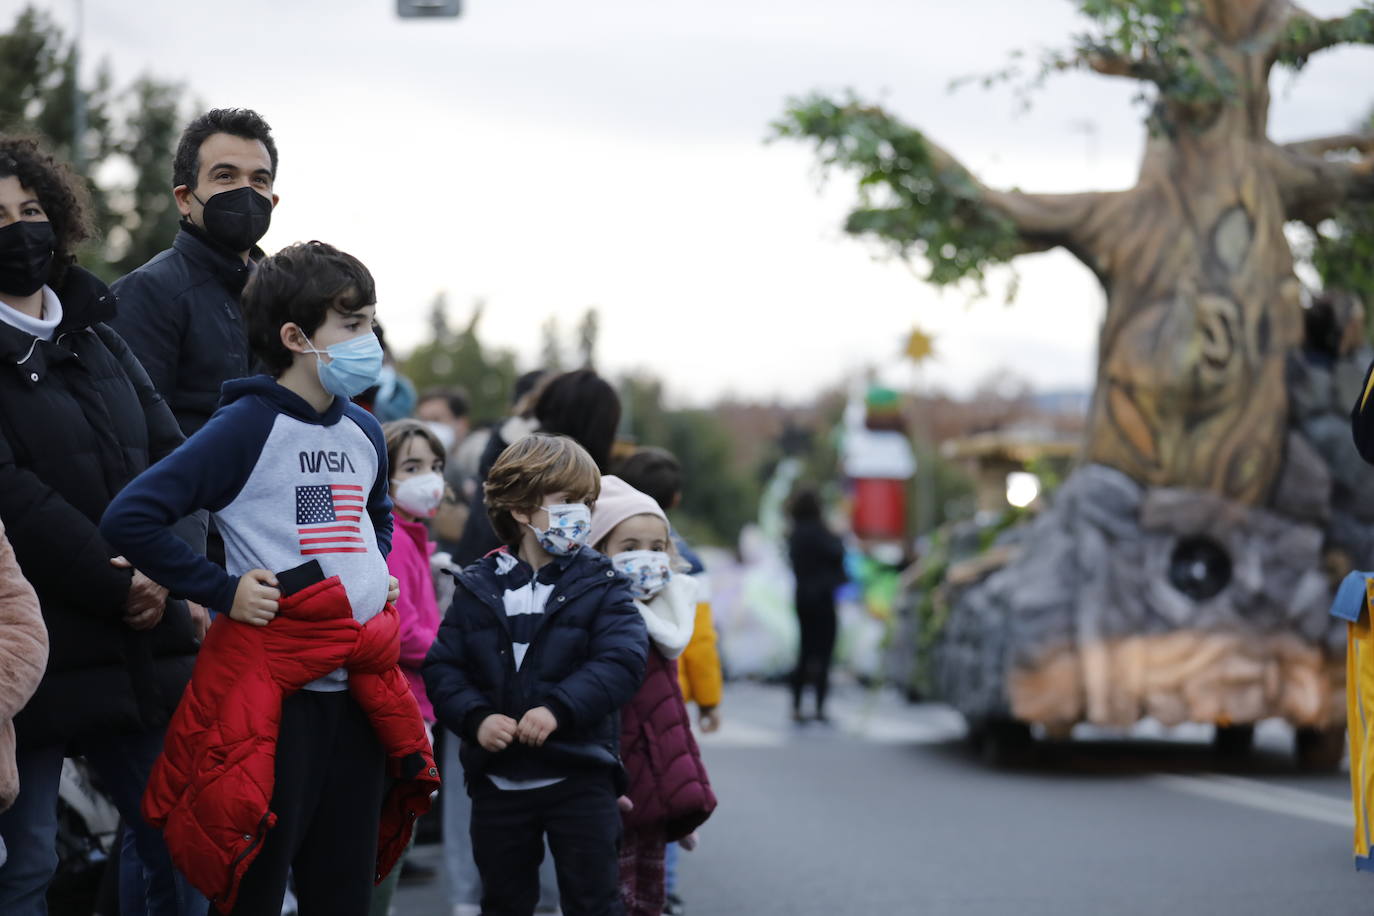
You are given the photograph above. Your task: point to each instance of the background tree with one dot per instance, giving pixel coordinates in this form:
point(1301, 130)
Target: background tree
point(129, 141)
point(1203, 303)
point(719, 497)
point(488, 375)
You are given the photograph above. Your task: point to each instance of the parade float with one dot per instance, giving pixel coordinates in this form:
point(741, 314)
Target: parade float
point(1183, 569)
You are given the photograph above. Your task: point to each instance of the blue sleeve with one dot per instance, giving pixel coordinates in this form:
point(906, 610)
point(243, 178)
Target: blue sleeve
point(206, 472)
point(379, 500)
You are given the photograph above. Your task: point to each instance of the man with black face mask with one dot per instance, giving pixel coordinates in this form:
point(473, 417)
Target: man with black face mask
point(180, 311)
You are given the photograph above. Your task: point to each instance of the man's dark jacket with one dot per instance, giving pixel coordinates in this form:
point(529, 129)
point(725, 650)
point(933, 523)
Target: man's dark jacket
point(180, 315)
point(585, 662)
point(78, 420)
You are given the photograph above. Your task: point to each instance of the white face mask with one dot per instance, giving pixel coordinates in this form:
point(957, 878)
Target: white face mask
point(444, 433)
point(569, 525)
point(649, 571)
point(419, 495)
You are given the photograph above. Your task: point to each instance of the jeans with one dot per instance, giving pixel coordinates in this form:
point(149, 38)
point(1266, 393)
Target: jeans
point(29, 828)
point(460, 871)
point(670, 858)
point(581, 821)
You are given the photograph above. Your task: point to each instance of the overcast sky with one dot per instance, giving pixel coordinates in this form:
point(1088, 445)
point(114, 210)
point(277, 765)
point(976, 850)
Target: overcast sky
point(548, 155)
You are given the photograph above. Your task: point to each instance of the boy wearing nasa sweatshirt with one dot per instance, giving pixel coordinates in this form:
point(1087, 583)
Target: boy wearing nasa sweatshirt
point(296, 477)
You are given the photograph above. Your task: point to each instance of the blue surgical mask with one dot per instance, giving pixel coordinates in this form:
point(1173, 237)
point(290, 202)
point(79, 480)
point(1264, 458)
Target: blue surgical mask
point(569, 525)
point(355, 365)
point(649, 571)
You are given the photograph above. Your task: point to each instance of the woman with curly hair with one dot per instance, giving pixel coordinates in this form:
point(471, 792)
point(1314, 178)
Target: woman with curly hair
point(78, 420)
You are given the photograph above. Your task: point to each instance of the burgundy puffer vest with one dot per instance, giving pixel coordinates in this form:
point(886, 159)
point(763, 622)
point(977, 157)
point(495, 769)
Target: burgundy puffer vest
point(668, 781)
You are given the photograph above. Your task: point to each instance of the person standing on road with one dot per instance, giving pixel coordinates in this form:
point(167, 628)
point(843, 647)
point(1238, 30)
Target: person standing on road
point(299, 747)
point(180, 311)
point(817, 557)
point(669, 793)
point(23, 656)
point(540, 648)
point(657, 473)
point(80, 421)
point(415, 459)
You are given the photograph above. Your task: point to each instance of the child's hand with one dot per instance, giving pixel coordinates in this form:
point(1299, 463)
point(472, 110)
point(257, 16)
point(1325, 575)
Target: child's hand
point(625, 804)
point(689, 842)
point(536, 726)
point(393, 589)
point(496, 732)
point(255, 601)
point(708, 719)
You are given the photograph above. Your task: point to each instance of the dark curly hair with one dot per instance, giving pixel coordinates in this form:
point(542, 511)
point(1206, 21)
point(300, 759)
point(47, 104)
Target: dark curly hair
point(300, 284)
point(244, 123)
point(61, 193)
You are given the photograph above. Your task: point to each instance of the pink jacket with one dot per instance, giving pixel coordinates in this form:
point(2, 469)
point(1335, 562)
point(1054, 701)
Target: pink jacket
point(419, 610)
point(23, 658)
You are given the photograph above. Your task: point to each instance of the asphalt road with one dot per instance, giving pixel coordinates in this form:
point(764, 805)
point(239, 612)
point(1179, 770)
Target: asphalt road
point(886, 811)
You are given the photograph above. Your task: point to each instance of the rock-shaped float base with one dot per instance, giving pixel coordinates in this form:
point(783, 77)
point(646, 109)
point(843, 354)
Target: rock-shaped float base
point(1121, 602)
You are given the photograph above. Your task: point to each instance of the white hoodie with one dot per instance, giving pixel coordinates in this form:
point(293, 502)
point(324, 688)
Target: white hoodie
point(671, 615)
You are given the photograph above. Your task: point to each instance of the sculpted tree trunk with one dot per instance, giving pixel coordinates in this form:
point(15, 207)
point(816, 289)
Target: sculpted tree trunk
point(1203, 306)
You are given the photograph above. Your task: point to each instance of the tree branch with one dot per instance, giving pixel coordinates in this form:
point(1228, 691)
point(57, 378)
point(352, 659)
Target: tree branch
point(1313, 186)
point(1306, 34)
point(1109, 63)
point(1319, 146)
point(1043, 221)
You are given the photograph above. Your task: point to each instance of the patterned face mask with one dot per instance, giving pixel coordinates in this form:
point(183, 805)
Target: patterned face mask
point(569, 525)
point(648, 571)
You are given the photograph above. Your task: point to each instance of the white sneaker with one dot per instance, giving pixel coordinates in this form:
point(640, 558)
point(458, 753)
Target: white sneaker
point(466, 909)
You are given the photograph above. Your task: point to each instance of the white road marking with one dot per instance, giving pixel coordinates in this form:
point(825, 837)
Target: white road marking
point(1263, 796)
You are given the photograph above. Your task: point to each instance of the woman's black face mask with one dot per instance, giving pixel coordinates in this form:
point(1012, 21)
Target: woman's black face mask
point(26, 252)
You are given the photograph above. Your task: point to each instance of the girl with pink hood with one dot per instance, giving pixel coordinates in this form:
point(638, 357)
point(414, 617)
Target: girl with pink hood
point(669, 793)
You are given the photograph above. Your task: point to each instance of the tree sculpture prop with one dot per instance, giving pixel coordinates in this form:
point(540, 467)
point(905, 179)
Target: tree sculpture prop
point(1193, 426)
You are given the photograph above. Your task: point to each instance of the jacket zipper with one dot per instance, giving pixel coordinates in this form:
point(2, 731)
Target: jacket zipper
point(233, 866)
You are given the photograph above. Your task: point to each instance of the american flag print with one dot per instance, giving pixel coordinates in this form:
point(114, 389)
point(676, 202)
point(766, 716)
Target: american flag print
point(329, 519)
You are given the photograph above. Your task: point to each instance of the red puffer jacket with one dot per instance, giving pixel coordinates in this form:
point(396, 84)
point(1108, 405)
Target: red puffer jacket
point(210, 789)
point(668, 782)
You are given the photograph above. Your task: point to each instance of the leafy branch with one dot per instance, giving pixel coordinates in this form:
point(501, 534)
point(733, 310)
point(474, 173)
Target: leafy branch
point(912, 195)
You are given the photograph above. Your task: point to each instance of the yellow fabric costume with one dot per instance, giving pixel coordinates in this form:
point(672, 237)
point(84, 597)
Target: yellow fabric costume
point(1359, 660)
point(698, 669)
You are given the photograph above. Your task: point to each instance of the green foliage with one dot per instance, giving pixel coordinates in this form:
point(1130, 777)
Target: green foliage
point(1343, 252)
point(717, 499)
point(1159, 42)
point(1305, 35)
point(460, 359)
point(1341, 249)
point(909, 196)
point(130, 135)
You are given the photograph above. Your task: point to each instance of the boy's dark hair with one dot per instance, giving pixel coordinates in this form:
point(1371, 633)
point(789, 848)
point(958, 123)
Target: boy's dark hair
point(300, 284)
point(237, 122)
point(583, 405)
point(654, 472)
point(61, 194)
point(805, 505)
point(531, 469)
point(455, 397)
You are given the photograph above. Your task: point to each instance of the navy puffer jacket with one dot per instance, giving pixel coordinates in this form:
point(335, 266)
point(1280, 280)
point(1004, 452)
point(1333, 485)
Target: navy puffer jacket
point(585, 661)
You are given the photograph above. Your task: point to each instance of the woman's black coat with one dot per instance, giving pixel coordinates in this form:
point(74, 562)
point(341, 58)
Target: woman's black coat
point(79, 420)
